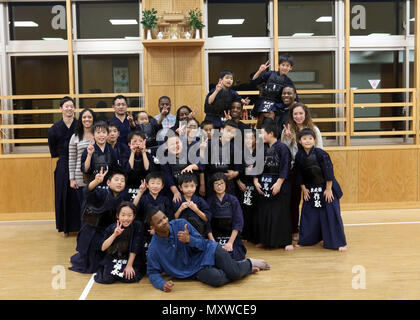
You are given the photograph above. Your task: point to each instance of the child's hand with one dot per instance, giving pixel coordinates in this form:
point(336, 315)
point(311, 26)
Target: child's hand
point(241, 185)
point(275, 188)
point(227, 115)
point(167, 286)
point(177, 197)
point(219, 85)
point(134, 148)
point(329, 197)
point(187, 169)
point(287, 133)
point(258, 187)
point(100, 176)
point(264, 66)
point(142, 187)
point(192, 206)
point(306, 195)
point(73, 184)
point(191, 115)
point(230, 174)
point(129, 272)
point(246, 101)
point(228, 247)
point(184, 206)
point(90, 148)
point(118, 230)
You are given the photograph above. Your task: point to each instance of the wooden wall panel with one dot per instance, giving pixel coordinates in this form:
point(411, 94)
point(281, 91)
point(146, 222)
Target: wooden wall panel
point(26, 185)
point(388, 175)
point(154, 93)
point(159, 5)
point(185, 5)
point(160, 66)
point(346, 171)
point(188, 66)
point(191, 96)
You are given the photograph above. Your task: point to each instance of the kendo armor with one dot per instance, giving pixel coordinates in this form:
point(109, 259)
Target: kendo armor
point(273, 87)
point(98, 161)
point(311, 171)
point(149, 132)
point(221, 222)
point(97, 217)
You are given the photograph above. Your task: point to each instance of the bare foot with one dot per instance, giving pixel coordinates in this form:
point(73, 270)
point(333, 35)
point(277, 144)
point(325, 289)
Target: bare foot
point(64, 234)
point(260, 264)
point(297, 245)
point(342, 249)
point(289, 247)
point(295, 237)
point(259, 245)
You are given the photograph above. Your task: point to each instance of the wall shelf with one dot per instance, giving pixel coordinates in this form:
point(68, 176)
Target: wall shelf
point(173, 43)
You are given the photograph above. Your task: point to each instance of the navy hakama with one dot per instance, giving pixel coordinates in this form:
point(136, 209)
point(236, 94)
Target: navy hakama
point(67, 205)
point(273, 211)
point(112, 266)
point(90, 237)
point(319, 220)
point(226, 215)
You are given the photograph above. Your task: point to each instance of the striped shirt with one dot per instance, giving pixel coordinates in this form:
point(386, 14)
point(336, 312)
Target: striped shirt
point(76, 149)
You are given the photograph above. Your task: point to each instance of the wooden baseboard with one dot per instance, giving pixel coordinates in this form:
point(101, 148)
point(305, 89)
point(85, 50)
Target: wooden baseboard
point(380, 206)
point(17, 216)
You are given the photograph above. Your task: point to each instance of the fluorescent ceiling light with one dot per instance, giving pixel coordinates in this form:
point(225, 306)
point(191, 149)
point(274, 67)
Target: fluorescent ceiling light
point(231, 21)
point(413, 19)
point(27, 24)
point(379, 34)
point(132, 38)
point(324, 19)
point(52, 39)
point(227, 36)
point(123, 21)
point(302, 34)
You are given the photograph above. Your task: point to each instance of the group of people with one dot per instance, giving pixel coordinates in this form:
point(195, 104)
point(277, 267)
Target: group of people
point(168, 194)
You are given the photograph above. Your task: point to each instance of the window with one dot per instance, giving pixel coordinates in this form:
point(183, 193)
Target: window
point(377, 18)
point(116, 19)
point(33, 76)
point(237, 18)
point(38, 21)
point(306, 18)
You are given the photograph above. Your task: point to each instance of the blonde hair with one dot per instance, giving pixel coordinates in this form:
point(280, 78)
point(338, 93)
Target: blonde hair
point(307, 123)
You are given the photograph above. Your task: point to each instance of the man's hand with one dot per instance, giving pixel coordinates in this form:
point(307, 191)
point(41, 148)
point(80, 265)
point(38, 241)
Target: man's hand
point(184, 236)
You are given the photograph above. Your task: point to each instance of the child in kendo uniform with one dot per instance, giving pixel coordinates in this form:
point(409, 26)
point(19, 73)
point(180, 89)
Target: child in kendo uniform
point(320, 216)
point(226, 219)
point(123, 243)
point(98, 212)
point(99, 154)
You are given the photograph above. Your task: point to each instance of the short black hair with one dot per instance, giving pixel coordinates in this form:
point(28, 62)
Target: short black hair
point(226, 72)
point(187, 177)
point(305, 132)
point(164, 97)
point(150, 213)
point(126, 204)
point(100, 125)
point(206, 123)
point(238, 100)
point(136, 133)
point(218, 176)
point(270, 126)
point(63, 100)
point(120, 96)
point(155, 175)
point(113, 124)
point(230, 123)
point(286, 58)
point(115, 172)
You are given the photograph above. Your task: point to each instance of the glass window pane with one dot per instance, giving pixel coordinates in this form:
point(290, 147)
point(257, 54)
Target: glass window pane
point(99, 20)
point(33, 76)
point(237, 18)
point(383, 69)
point(242, 64)
point(377, 17)
point(315, 18)
point(37, 21)
point(106, 74)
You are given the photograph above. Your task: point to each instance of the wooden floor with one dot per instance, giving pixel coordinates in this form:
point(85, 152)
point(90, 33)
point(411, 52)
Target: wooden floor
point(385, 243)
